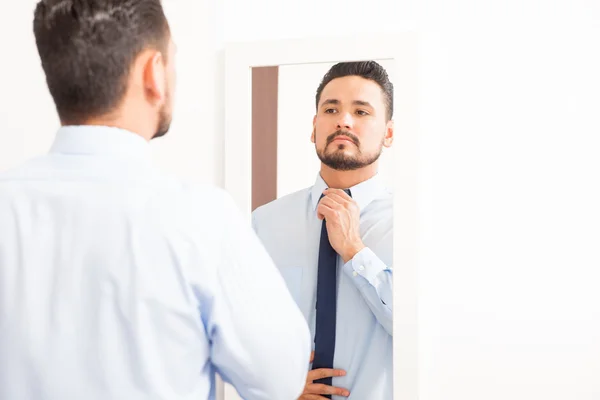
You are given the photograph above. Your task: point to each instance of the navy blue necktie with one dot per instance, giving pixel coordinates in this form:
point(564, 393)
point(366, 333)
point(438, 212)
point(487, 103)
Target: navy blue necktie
point(326, 305)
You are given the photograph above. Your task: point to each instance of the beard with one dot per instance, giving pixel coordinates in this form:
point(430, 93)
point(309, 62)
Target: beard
point(340, 161)
point(164, 123)
point(164, 117)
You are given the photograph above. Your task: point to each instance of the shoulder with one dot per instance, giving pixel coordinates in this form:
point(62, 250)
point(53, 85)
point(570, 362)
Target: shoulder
point(385, 199)
point(207, 199)
point(282, 206)
point(23, 170)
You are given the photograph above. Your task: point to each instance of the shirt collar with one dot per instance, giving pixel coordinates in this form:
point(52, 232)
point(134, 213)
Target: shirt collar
point(363, 193)
point(100, 140)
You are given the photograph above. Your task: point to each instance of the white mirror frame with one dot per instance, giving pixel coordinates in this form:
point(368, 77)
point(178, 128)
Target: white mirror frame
point(240, 58)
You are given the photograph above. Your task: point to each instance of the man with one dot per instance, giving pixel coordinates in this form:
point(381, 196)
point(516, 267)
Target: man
point(335, 247)
point(115, 282)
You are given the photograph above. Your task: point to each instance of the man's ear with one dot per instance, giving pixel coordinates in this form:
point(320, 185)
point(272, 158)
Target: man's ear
point(155, 77)
point(389, 134)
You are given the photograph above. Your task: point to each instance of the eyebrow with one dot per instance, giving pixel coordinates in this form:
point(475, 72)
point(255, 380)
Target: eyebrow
point(355, 102)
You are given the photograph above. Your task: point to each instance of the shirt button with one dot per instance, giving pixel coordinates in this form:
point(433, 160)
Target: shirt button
point(355, 274)
point(361, 268)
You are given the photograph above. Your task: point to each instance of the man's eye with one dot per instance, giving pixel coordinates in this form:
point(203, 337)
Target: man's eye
point(362, 112)
point(330, 111)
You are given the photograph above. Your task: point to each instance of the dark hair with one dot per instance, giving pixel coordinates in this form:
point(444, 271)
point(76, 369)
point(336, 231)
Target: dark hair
point(87, 48)
point(365, 69)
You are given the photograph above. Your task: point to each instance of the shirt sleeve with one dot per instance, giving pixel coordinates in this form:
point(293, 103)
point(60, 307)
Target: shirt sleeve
point(259, 337)
point(374, 281)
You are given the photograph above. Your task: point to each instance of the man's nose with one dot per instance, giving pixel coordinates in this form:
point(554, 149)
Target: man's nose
point(345, 121)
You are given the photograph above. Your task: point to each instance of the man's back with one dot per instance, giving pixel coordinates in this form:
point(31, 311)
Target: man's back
point(117, 283)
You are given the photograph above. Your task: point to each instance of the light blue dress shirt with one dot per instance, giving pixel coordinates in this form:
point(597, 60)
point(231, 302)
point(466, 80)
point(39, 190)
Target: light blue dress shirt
point(117, 282)
point(290, 230)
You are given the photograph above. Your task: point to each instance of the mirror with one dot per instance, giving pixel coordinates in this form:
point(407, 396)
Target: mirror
point(344, 292)
point(284, 146)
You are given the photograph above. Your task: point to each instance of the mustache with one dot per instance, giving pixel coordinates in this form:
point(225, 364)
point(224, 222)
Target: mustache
point(346, 134)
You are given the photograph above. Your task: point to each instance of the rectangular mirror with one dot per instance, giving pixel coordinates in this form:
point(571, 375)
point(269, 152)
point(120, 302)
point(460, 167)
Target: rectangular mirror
point(281, 149)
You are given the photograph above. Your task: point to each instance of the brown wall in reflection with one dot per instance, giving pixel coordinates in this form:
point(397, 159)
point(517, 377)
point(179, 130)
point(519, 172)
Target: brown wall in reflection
point(264, 135)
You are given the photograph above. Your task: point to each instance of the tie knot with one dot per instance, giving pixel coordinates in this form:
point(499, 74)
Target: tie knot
point(348, 192)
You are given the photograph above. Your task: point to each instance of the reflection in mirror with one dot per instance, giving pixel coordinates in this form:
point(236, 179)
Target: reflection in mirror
point(319, 126)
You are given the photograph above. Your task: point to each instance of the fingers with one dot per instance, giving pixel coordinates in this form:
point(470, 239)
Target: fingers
point(338, 192)
point(312, 356)
point(335, 198)
point(329, 209)
point(329, 205)
point(325, 211)
point(317, 388)
point(333, 203)
point(313, 391)
point(324, 373)
point(346, 202)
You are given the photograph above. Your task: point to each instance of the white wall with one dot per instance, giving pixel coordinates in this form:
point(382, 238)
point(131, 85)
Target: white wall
point(297, 161)
point(509, 269)
point(26, 109)
point(191, 150)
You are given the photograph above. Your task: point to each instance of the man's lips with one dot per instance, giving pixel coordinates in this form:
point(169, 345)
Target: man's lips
point(342, 139)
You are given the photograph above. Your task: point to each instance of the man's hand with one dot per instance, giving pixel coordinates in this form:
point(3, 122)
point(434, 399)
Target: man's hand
point(313, 391)
point(343, 222)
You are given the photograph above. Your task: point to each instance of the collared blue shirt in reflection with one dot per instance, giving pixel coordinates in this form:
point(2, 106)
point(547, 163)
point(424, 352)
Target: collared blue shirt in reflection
point(119, 283)
point(290, 230)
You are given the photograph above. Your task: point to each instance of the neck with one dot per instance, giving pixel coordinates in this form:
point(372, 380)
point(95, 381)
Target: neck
point(346, 179)
point(123, 120)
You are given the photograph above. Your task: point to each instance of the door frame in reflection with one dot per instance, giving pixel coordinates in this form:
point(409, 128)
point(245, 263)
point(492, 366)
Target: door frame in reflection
point(241, 58)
